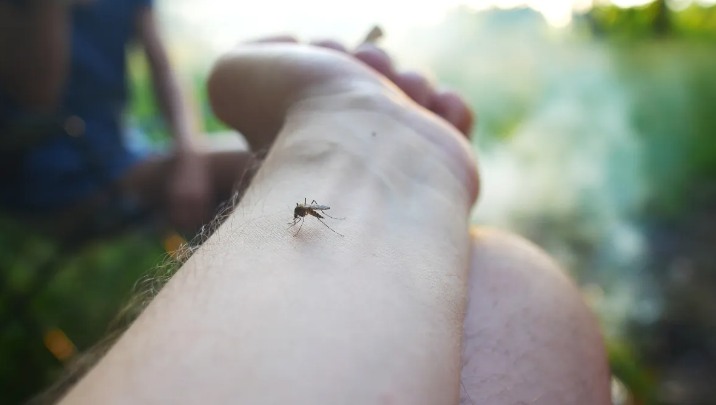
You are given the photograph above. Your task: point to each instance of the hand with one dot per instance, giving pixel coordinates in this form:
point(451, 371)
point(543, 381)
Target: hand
point(260, 128)
point(189, 192)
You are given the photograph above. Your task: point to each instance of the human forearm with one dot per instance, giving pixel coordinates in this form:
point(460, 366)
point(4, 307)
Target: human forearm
point(34, 44)
point(266, 317)
point(374, 316)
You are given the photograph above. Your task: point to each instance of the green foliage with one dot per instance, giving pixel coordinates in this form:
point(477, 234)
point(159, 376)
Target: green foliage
point(654, 19)
point(696, 22)
point(81, 296)
point(634, 23)
point(628, 369)
point(673, 92)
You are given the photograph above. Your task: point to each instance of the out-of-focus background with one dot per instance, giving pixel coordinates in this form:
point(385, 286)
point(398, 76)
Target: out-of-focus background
point(596, 140)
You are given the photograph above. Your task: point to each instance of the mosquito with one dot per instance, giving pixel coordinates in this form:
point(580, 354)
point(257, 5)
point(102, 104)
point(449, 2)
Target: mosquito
point(301, 210)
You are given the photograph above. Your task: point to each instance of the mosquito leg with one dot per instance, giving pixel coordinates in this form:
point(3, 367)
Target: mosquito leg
point(295, 221)
point(324, 213)
point(329, 227)
point(314, 202)
point(299, 228)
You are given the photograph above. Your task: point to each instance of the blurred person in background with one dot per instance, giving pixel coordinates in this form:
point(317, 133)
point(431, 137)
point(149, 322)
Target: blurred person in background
point(67, 60)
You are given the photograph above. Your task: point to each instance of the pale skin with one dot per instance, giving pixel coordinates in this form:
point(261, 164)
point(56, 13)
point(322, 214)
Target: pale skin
point(399, 311)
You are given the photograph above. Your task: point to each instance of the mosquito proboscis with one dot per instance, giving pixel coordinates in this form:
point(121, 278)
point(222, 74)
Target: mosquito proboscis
point(313, 209)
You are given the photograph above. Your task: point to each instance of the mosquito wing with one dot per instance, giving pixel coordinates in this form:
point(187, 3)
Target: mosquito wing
point(319, 207)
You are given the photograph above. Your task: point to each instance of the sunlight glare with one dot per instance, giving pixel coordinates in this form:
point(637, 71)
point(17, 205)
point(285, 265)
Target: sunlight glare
point(222, 23)
point(212, 26)
point(631, 3)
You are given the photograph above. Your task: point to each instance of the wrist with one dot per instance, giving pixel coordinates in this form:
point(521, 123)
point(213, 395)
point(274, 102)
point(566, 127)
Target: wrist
point(376, 167)
point(367, 132)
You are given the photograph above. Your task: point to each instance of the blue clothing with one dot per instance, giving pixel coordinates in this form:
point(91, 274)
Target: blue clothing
point(62, 170)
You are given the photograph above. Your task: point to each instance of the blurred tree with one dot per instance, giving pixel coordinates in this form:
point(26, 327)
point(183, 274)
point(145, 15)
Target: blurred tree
point(662, 19)
point(652, 20)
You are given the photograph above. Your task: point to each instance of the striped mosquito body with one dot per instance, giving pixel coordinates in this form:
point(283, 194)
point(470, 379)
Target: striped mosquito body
point(313, 209)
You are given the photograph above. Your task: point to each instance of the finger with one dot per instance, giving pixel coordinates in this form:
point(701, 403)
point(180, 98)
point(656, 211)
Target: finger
point(416, 86)
point(283, 38)
point(453, 109)
point(376, 58)
point(330, 44)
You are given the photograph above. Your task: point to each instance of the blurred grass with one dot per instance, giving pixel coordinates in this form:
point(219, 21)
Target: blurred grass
point(80, 300)
point(626, 367)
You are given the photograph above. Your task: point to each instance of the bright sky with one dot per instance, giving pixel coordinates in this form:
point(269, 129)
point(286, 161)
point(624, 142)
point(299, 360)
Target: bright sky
point(214, 25)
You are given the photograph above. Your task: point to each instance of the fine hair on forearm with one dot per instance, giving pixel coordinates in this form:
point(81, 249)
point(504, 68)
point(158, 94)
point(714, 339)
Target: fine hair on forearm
point(145, 290)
